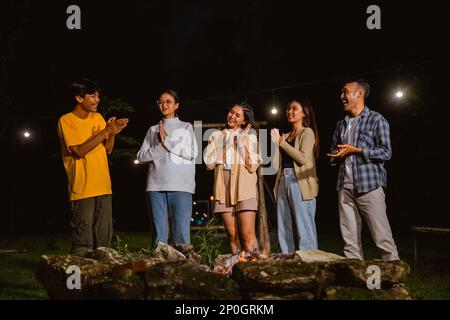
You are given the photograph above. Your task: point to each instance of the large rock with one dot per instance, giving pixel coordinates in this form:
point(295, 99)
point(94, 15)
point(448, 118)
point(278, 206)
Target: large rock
point(319, 275)
point(107, 274)
point(317, 256)
point(108, 255)
point(165, 252)
point(188, 251)
point(282, 277)
point(188, 281)
point(353, 272)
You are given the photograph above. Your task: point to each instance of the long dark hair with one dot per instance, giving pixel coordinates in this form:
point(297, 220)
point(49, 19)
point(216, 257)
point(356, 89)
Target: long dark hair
point(249, 115)
point(309, 120)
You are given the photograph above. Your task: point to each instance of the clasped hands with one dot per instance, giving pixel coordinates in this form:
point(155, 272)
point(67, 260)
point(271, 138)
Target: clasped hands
point(344, 150)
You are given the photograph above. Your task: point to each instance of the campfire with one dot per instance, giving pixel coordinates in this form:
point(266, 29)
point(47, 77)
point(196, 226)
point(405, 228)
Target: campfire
point(249, 256)
point(225, 264)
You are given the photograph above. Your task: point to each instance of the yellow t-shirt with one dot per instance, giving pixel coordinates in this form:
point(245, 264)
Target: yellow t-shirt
point(88, 177)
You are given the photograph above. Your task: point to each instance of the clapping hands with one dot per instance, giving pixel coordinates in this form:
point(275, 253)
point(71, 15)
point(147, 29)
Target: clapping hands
point(115, 126)
point(276, 137)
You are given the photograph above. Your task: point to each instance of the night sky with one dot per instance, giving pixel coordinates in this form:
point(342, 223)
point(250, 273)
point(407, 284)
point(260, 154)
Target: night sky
point(214, 53)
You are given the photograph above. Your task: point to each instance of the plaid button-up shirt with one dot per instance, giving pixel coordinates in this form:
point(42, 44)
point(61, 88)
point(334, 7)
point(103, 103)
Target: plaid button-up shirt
point(372, 136)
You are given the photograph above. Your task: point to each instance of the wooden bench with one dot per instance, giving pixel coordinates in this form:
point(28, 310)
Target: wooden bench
point(430, 230)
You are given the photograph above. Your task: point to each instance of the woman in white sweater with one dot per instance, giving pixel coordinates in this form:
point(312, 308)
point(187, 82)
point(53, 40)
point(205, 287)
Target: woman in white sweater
point(169, 149)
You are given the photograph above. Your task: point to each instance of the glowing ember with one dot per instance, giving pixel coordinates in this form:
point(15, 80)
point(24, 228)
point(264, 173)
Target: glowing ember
point(226, 266)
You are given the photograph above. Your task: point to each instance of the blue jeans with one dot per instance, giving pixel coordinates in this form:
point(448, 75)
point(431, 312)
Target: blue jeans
point(179, 204)
point(290, 204)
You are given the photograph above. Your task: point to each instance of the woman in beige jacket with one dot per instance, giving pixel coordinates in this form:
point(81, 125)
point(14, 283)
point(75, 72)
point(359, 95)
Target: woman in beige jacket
point(297, 185)
point(233, 154)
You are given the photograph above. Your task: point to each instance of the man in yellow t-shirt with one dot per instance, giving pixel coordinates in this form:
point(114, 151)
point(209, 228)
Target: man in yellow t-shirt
point(86, 139)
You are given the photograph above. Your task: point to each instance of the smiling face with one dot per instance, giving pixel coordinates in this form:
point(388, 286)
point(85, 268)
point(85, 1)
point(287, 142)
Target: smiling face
point(294, 112)
point(89, 102)
point(351, 96)
point(235, 118)
point(167, 105)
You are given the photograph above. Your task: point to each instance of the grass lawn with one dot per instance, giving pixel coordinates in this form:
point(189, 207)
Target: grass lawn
point(429, 280)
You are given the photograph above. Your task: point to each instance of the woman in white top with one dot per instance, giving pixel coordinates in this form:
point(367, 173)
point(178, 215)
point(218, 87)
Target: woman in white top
point(169, 149)
point(233, 154)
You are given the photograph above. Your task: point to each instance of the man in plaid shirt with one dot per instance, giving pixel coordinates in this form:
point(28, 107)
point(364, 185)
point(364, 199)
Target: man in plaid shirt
point(361, 144)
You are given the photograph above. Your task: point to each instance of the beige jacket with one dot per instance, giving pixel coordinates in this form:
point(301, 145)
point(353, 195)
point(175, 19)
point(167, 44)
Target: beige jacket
point(304, 163)
point(243, 175)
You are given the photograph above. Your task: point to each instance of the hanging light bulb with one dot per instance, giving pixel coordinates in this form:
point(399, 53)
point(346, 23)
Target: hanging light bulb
point(399, 94)
point(274, 109)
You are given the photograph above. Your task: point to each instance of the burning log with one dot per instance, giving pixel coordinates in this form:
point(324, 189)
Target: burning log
point(224, 263)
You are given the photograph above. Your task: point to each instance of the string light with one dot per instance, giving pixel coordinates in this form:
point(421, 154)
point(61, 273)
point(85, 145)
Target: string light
point(307, 83)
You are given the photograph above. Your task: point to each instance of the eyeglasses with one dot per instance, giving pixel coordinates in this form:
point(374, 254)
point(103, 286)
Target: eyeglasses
point(161, 102)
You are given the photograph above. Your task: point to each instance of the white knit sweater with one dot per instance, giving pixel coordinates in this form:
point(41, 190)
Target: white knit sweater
point(172, 163)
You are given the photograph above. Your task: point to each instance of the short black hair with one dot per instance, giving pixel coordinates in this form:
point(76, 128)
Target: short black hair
point(362, 83)
point(82, 87)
